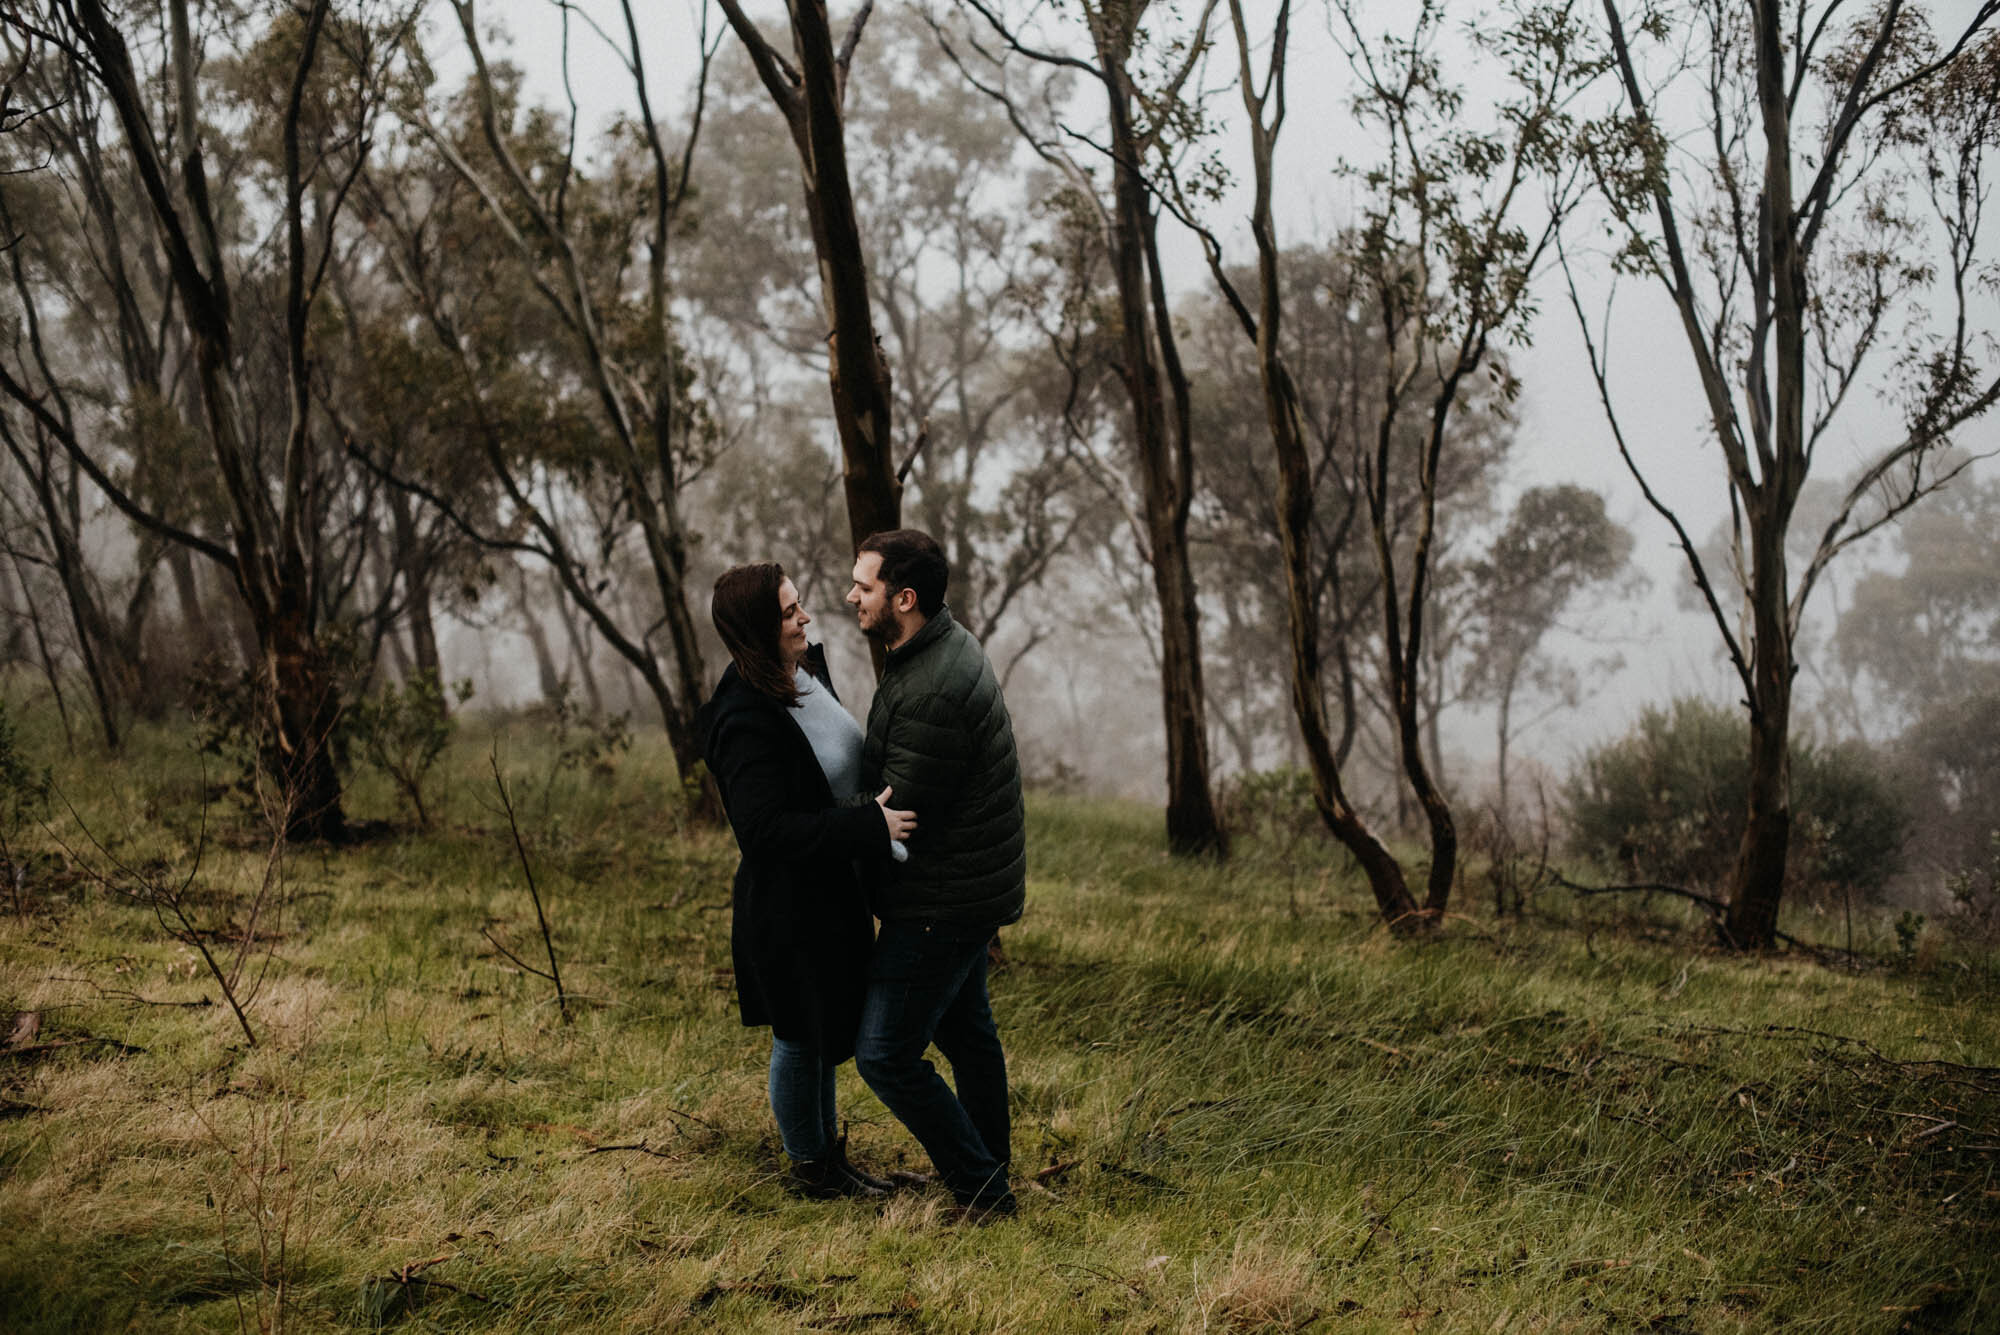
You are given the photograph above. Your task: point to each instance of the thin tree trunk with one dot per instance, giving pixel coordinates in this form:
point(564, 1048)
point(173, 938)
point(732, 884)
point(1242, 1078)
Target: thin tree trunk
point(547, 676)
point(42, 649)
point(810, 98)
point(416, 574)
point(1192, 825)
point(195, 625)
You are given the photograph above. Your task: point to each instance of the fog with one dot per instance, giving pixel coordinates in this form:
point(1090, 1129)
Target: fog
point(963, 222)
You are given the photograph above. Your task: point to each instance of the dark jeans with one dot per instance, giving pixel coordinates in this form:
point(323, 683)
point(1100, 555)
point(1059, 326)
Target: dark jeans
point(802, 1101)
point(927, 983)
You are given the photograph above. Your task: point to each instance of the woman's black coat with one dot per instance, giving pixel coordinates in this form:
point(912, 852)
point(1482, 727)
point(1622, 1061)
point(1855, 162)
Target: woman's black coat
point(801, 932)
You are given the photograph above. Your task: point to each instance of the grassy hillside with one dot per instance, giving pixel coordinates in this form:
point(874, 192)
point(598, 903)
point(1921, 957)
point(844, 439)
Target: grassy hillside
point(1242, 1105)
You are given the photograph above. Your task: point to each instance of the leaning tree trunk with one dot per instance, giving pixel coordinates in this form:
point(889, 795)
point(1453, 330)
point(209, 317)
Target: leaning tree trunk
point(1294, 514)
point(1293, 504)
point(857, 372)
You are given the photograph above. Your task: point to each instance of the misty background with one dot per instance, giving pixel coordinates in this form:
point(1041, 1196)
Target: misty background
point(988, 295)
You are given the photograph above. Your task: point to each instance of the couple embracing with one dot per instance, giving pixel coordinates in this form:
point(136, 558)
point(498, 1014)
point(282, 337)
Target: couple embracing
point(916, 821)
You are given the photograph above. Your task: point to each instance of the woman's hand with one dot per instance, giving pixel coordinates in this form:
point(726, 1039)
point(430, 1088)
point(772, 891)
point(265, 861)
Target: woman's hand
point(901, 823)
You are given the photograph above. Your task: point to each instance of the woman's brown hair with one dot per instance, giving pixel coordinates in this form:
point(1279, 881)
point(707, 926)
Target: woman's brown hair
point(746, 615)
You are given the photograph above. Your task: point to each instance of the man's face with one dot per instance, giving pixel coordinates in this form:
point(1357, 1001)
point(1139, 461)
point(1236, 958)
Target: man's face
point(874, 610)
point(792, 623)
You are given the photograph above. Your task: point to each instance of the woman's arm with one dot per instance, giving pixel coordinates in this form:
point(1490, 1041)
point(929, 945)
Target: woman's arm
point(748, 759)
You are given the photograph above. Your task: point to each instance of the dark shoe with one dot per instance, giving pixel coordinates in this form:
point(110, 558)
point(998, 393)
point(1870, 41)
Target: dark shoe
point(827, 1180)
point(980, 1213)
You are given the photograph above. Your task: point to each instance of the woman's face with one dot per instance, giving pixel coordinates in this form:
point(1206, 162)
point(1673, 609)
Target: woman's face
point(792, 623)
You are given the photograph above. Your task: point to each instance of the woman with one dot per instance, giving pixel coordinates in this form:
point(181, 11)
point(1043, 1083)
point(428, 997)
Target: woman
point(787, 756)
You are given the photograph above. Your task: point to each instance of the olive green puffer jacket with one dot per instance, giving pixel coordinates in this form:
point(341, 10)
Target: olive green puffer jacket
point(939, 735)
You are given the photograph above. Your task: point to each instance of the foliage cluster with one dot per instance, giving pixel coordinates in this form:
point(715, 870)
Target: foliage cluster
point(1666, 803)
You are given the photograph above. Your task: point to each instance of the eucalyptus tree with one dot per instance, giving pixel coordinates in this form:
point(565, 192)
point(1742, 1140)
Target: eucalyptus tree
point(318, 118)
point(85, 298)
point(1558, 542)
point(1805, 184)
point(1928, 632)
point(952, 261)
point(1139, 61)
point(540, 292)
point(1334, 351)
point(810, 91)
point(1457, 216)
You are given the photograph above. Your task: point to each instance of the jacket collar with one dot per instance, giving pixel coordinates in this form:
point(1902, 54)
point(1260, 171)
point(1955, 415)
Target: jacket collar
point(934, 630)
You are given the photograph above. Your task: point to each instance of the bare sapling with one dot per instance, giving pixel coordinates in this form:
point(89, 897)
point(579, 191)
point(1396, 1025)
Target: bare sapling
point(174, 902)
point(554, 972)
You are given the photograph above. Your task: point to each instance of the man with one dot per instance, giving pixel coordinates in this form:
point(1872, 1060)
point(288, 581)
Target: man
point(939, 738)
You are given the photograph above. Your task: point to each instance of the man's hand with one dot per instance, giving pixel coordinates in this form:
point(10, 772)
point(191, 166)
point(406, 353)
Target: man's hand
point(901, 823)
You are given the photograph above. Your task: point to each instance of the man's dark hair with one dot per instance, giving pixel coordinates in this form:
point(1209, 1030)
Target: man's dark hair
point(747, 616)
point(911, 560)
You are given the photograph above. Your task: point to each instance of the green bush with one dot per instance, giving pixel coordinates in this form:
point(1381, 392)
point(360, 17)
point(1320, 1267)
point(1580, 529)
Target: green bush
point(1274, 809)
point(1666, 803)
point(403, 730)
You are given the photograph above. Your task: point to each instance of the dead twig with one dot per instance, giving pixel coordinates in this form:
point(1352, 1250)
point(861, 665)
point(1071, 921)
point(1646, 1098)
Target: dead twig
point(637, 1147)
point(127, 995)
point(1717, 911)
point(554, 973)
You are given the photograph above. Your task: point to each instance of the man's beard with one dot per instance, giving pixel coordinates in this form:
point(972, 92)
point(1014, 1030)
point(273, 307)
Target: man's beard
point(883, 628)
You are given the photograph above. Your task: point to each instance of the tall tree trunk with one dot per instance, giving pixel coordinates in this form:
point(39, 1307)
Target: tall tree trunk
point(93, 637)
point(1757, 878)
point(416, 575)
point(811, 98)
point(50, 669)
point(1165, 467)
point(195, 624)
point(579, 657)
point(306, 705)
point(857, 372)
point(547, 676)
point(1757, 881)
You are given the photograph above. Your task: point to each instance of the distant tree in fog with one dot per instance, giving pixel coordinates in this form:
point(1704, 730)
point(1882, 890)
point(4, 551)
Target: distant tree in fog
point(1558, 542)
point(1930, 632)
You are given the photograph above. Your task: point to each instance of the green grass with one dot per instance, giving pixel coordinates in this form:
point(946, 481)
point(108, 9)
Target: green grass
point(1254, 1109)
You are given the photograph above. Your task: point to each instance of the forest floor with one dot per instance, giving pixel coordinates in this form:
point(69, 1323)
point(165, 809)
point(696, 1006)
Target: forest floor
point(1239, 1104)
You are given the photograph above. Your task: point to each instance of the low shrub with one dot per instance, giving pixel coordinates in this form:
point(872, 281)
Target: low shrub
point(1666, 802)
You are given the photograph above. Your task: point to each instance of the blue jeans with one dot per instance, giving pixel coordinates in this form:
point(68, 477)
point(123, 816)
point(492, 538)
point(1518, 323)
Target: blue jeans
point(802, 1101)
point(927, 983)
